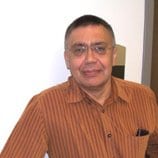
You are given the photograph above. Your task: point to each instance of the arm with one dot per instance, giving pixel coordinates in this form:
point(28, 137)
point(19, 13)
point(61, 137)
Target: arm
point(152, 149)
point(28, 138)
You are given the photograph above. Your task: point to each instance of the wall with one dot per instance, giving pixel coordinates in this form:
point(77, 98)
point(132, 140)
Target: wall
point(31, 51)
point(148, 39)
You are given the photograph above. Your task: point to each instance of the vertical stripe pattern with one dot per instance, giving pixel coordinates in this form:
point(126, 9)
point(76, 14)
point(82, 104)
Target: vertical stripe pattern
point(67, 123)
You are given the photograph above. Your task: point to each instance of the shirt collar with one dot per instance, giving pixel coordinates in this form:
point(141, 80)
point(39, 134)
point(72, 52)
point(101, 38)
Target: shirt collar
point(75, 94)
point(118, 86)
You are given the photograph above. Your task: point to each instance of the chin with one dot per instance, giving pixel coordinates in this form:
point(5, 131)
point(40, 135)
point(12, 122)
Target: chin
point(92, 84)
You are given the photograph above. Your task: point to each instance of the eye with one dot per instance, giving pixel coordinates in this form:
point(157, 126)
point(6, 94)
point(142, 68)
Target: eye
point(78, 50)
point(100, 49)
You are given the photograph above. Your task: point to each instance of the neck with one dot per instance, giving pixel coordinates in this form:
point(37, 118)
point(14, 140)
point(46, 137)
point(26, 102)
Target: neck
point(100, 93)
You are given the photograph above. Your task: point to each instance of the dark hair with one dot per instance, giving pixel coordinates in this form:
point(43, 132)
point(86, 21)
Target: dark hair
point(86, 20)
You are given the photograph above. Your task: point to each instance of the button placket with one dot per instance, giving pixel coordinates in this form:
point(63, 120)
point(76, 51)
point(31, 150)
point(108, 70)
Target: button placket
point(108, 130)
point(109, 135)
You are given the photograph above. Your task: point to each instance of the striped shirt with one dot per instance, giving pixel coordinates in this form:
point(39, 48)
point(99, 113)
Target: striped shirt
point(66, 123)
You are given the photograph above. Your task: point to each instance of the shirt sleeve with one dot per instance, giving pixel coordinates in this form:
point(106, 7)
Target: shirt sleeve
point(152, 149)
point(28, 139)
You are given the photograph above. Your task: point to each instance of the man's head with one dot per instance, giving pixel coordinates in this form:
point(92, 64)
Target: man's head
point(90, 51)
point(85, 21)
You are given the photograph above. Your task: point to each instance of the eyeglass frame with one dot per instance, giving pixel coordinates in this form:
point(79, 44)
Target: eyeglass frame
point(78, 49)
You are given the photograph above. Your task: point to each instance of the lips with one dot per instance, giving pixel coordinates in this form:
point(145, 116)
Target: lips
point(90, 73)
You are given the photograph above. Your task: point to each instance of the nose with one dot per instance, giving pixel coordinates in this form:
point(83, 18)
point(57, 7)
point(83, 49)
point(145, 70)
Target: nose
point(90, 56)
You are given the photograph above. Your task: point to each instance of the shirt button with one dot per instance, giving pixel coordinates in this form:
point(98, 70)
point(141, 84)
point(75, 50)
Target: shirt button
point(109, 135)
point(103, 110)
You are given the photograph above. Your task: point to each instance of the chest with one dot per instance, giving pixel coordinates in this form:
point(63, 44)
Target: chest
point(86, 130)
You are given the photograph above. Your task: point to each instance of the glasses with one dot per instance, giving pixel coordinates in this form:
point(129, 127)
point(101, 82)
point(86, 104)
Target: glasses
point(80, 49)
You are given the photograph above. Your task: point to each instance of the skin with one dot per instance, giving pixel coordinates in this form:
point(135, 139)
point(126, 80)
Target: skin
point(92, 71)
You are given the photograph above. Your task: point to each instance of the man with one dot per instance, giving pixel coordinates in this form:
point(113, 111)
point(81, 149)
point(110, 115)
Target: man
point(92, 115)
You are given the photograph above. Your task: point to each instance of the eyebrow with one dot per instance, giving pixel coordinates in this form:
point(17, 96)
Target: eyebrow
point(99, 43)
point(79, 44)
point(93, 43)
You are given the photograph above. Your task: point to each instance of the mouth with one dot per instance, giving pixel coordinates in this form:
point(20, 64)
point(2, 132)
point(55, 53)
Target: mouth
point(90, 73)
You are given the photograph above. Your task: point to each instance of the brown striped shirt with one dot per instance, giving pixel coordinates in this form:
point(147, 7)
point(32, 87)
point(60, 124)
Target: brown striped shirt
point(66, 123)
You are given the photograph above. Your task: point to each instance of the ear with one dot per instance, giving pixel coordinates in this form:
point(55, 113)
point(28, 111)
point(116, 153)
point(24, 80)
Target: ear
point(114, 56)
point(66, 57)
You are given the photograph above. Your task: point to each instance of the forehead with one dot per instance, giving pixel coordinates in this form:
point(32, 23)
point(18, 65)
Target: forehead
point(90, 34)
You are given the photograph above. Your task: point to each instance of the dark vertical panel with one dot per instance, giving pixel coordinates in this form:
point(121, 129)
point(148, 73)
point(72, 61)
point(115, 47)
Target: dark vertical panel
point(154, 71)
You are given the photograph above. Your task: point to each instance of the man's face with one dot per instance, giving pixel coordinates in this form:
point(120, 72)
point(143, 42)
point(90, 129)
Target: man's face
point(90, 55)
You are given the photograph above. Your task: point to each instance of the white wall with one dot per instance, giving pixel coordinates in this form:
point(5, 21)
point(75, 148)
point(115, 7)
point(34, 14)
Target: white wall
point(31, 46)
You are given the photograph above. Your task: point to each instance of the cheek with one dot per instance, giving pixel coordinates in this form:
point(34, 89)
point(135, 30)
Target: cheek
point(75, 64)
point(106, 62)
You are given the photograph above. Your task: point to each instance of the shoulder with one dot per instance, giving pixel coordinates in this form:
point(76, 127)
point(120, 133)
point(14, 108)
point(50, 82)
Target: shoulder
point(133, 87)
point(58, 90)
point(61, 87)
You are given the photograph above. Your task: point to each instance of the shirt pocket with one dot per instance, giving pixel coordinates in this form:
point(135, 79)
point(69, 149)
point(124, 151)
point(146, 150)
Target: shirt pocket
point(134, 146)
point(142, 142)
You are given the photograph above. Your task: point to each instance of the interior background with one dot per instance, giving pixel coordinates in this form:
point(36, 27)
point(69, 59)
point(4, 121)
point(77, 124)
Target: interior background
point(31, 46)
